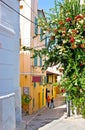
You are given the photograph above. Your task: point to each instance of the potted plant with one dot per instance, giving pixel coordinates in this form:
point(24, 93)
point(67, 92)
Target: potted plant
point(25, 102)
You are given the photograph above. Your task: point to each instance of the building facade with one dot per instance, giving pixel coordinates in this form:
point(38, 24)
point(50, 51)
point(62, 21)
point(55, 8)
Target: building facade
point(10, 101)
point(31, 76)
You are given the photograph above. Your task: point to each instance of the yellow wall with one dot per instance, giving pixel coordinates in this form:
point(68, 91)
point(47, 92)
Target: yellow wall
point(27, 68)
point(54, 90)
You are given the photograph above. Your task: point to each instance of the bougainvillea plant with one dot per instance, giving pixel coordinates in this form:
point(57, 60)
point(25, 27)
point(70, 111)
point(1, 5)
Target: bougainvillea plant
point(65, 29)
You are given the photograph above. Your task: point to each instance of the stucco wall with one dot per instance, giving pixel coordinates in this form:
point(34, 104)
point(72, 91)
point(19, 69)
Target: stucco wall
point(7, 112)
point(9, 52)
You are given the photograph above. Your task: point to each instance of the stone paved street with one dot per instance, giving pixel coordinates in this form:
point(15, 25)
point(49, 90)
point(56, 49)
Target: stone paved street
point(45, 115)
point(52, 119)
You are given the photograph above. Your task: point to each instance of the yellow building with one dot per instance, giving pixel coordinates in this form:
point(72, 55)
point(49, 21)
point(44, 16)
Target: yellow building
point(31, 77)
point(52, 89)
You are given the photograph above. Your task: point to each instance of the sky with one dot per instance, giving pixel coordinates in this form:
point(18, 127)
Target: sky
point(45, 4)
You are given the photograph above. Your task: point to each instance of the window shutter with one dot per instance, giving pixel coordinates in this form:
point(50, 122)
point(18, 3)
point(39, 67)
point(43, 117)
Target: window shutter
point(36, 26)
point(41, 34)
point(45, 79)
point(34, 84)
point(46, 42)
point(40, 61)
point(35, 61)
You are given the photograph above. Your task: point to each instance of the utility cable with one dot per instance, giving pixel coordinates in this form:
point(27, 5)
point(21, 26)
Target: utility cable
point(17, 12)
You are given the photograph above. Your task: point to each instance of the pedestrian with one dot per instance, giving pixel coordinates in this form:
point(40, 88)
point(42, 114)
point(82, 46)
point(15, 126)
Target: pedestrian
point(52, 102)
point(48, 101)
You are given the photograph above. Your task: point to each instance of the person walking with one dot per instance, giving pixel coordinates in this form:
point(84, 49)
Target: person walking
point(48, 101)
point(52, 102)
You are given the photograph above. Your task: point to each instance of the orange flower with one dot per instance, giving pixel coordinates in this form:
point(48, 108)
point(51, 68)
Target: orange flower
point(74, 46)
point(61, 22)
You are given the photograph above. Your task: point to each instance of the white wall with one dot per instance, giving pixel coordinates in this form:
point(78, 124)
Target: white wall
point(9, 52)
point(25, 24)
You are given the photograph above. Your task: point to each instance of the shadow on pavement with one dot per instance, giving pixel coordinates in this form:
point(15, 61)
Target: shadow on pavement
point(46, 115)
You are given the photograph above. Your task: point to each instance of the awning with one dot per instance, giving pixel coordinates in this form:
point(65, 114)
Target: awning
point(52, 70)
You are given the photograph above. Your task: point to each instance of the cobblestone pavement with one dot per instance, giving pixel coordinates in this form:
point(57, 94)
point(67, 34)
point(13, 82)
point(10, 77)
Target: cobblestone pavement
point(52, 119)
point(46, 115)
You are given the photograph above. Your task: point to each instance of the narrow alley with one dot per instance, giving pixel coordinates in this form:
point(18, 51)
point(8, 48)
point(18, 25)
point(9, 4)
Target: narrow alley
point(52, 119)
point(46, 115)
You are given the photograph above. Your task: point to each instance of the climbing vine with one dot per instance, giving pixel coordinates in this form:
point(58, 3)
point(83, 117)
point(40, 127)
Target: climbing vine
point(64, 27)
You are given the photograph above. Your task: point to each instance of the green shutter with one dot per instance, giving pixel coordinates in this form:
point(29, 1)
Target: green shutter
point(40, 61)
point(45, 79)
point(35, 61)
point(41, 34)
point(36, 26)
point(34, 84)
point(46, 42)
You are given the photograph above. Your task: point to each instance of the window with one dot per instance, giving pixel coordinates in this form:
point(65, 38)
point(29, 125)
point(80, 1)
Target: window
point(49, 78)
point(35, 61)
point(36, 26)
